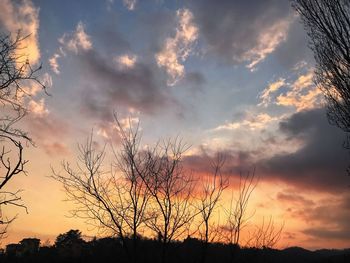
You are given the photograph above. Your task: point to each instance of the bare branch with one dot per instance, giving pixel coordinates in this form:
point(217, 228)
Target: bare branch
point(266, 235)
point(16, 73)
point(236, 214)
point(327, 23)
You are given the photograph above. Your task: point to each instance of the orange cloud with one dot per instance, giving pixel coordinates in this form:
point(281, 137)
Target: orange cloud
point(267, 41)
point(54, 64)
point(178, 48)
point(56, 148)
point(126, 61)
point(252, 122)
point(38, 108)
point(23, 17)
point(301, 94)
point(273, 87)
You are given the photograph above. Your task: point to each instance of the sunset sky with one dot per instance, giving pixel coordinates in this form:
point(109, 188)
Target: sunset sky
point(227, 76)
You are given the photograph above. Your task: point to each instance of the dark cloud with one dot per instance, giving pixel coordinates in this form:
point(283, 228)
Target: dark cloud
point(320, 163)
point(194, 78)
point(55, 148)
point(193, 82)
point(294, 49)
point(328, 220)
point(294, 198)
point(107, 36)
point(236, 162)
point(107, 88)
point(48, 133)
point(154, 27)
point(232, 28)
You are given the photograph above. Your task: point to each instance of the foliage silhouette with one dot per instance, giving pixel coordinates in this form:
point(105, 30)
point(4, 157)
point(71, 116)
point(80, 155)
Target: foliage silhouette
point(111, 250)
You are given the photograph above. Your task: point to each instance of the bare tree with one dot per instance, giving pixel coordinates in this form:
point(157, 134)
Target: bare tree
point(212, 190)
point(15, 74)
point(113, 201)
point(132, 162)
point(95, 193)
point(266, 235)
point(236, 214)
point(327, 23)
point(170, 188)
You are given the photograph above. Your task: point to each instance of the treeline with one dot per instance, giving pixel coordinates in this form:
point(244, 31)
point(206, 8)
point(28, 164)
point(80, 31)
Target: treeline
point(70, 247)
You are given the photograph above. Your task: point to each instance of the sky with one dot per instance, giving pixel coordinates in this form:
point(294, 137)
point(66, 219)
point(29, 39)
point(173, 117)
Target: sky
point(234, 77)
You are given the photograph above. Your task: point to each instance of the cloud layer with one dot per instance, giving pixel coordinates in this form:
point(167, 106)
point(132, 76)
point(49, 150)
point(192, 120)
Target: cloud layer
point(238, 33)
point(320, 163)
point(107, 87)
point(23, 17)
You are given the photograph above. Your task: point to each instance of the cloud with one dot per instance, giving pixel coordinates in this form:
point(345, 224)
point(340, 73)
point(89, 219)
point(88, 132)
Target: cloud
point(238, 33)
point(303, 94)
point(319, 163)
point(295, 48)
point(55, 148)
point(22, 16)
point(77, 40)
point(54, 64)
point(323, 217)
point(267, 42)
point(30, 89)
point(48, 131)
point(305, 152)
point(109, 129)
point(294, 198)
point(107, 88)
point(327, 219)
point(126, 61)
point(38, 108)
point(176, 49)
point(304, 81)
point(300, 94)
point(118, 82)
point(194, 82)
point(250, 121)
point(195, 78)
point(272, 88)
point(130, 4)
point(107, 36)
point(237, 161)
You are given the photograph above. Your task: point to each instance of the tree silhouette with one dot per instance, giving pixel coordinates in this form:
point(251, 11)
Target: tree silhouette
point(68, 239)
point(266, 235)
point(95, 193)
point(16, 73)
point(69, 244)
point(134, 195)
point(212, 190)
point(328, 26)
point(74, 249)
point(236, 213)
point(153, 189)
point(170, 187)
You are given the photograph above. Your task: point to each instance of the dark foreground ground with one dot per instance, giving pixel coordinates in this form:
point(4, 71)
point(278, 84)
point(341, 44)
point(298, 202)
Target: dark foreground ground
point(191, 250)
